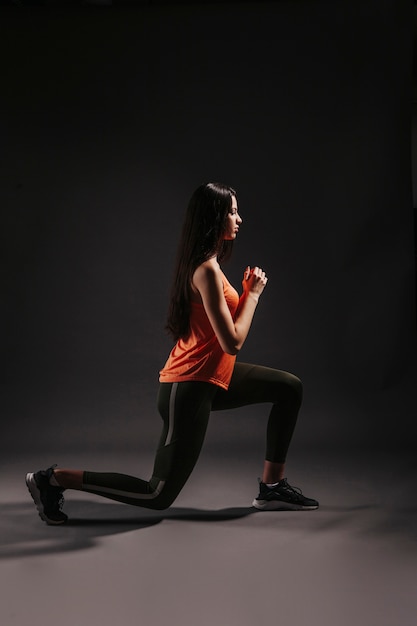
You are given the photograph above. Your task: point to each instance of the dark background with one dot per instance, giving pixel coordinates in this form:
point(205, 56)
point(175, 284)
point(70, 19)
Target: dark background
point(109, 120)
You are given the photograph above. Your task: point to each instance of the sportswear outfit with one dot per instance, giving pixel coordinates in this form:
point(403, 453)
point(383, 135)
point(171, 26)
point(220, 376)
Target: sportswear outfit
point(198, 378)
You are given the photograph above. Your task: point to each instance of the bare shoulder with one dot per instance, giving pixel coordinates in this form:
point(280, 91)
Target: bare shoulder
point(207, 271)
point(207, 275)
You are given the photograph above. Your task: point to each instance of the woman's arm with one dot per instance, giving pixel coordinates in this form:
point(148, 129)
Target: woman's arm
point(230, 333)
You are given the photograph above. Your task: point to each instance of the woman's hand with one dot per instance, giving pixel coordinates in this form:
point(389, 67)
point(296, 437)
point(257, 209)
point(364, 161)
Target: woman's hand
point(254, 281)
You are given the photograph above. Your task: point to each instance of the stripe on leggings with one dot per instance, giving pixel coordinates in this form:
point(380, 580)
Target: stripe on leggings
point(171, 413)
point(158, 490)
point(134, 495)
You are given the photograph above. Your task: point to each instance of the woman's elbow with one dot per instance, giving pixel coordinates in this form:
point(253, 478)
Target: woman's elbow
point(230, 344)
point(231, 349)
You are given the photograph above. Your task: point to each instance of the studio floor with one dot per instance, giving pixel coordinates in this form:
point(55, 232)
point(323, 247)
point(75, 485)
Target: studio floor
point(211, 559)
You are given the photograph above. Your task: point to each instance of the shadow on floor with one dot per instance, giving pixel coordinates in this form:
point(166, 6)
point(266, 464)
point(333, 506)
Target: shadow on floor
point(23, 533)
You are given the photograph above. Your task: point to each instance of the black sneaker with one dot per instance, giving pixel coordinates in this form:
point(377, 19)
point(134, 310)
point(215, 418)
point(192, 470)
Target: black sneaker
point(282, 497)
point(48, 499)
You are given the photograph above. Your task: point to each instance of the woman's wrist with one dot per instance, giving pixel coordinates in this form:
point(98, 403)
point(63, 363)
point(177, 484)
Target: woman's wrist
point(253, 296)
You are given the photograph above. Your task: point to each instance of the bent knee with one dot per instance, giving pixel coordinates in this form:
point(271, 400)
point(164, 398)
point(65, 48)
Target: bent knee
point(297, 384)
point(294, 387)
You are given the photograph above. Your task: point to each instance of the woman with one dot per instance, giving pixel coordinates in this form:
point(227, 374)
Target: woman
point(209, 322)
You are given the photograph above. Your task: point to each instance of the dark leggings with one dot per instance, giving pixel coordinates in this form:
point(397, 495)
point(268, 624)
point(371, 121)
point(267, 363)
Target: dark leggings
point(185, 408)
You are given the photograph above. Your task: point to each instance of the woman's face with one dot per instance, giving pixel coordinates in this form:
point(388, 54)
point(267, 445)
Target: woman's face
point(233, 221)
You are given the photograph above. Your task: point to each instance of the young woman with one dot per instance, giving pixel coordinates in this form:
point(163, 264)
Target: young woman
point(209, 323)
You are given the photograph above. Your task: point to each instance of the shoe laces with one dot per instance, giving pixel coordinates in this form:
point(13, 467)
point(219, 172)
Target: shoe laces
point(285, 486)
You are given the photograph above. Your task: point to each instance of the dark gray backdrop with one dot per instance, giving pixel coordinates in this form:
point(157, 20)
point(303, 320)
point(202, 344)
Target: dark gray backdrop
point(110, 119)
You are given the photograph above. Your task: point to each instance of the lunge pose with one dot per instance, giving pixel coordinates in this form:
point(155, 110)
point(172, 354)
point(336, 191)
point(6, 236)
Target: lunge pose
point(209, 322)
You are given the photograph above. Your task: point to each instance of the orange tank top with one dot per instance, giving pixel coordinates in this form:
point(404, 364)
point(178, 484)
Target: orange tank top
point(199, 356)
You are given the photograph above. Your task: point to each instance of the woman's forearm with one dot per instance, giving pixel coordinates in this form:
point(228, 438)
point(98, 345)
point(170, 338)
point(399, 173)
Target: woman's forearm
point(244, 316)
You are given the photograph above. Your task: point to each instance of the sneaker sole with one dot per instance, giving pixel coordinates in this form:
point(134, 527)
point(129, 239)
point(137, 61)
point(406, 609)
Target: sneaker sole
point(280, 505)
point(36, 496)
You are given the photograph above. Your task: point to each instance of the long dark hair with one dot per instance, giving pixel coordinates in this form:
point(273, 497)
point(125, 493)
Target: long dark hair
point(201, 238)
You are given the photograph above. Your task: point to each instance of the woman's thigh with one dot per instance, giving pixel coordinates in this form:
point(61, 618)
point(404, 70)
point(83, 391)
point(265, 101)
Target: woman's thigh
point(254, 384)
